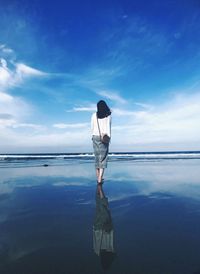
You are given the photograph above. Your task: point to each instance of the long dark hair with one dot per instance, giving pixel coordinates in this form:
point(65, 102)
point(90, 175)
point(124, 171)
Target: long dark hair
point(102, 109)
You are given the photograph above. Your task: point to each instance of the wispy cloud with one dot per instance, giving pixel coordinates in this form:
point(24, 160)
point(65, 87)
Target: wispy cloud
point(133, 43)
point(71, 126)
point(144, 105)
point(15, 110)
point(29, 126)
point(174, 122)
point(87, 108)
point(111, 95)
point(5, 73)
point(68, 139)
point(24, 70)
point(12, 72)
point(12, 108)
point(5, 49)
point(123, 112)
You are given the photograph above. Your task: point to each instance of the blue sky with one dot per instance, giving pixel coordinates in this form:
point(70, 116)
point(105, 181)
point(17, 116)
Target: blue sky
point(59, 58)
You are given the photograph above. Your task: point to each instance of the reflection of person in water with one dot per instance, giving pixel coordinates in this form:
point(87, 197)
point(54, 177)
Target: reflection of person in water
point(103, 230)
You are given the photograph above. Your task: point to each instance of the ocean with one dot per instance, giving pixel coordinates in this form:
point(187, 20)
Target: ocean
point(54, 158)
point(49, 206)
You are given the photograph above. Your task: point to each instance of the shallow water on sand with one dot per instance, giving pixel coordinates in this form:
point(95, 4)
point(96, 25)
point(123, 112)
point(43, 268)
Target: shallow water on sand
point(47, 215)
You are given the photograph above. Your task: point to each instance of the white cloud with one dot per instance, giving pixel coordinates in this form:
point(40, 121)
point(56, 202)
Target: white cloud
point(24, 70)
point(111, 95)
point(97, 77)
point(3, 63)
point(123, 112)
point(17, 75)
point(6, 123)
point(89, 108)
point(172, 125)
point(143, 105)
point(178, 121)
point(71, 126)
point(14, 107)
point(5, 73)
point(14, 110)
point(68, 139)
point(28, 125)
point(5, 49)
point(5, 98)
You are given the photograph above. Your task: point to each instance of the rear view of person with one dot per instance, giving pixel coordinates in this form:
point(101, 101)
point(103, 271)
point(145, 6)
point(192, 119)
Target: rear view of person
point(101, 134)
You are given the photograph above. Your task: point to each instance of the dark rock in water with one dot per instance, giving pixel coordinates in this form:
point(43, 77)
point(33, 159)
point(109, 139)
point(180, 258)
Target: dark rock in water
point(45, 165)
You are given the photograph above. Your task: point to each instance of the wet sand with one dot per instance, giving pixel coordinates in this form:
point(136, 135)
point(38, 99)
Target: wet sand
point(47, 216)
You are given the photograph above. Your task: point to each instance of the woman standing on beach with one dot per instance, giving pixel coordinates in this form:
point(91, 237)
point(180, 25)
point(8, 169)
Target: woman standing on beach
point(101, 134)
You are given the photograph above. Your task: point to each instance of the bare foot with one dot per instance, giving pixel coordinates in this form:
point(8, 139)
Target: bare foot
point(100, 182)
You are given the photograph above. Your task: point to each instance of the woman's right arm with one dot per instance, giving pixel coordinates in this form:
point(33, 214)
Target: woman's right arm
point(109, 126)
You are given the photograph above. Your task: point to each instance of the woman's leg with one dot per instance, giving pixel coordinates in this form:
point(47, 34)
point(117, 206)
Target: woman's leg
point(96, 154)
point(97, 173)
point(100, 177)
point(103, 162)
point(100, 152)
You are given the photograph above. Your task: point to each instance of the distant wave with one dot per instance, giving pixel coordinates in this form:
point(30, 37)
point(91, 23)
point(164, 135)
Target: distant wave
point(42, 156)
point(158, 155)
point(112, 156)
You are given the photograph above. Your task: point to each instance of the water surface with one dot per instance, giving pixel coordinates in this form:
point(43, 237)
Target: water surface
point(47, 215)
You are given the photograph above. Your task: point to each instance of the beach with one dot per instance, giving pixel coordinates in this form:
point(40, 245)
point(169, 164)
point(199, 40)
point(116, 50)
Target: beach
point(47, 208)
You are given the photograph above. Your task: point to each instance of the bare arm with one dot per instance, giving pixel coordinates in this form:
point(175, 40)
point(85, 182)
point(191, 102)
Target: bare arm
point(109, 126)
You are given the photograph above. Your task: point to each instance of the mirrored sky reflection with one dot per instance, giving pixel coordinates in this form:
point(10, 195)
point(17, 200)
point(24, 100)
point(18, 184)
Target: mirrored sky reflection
point(46, 217)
